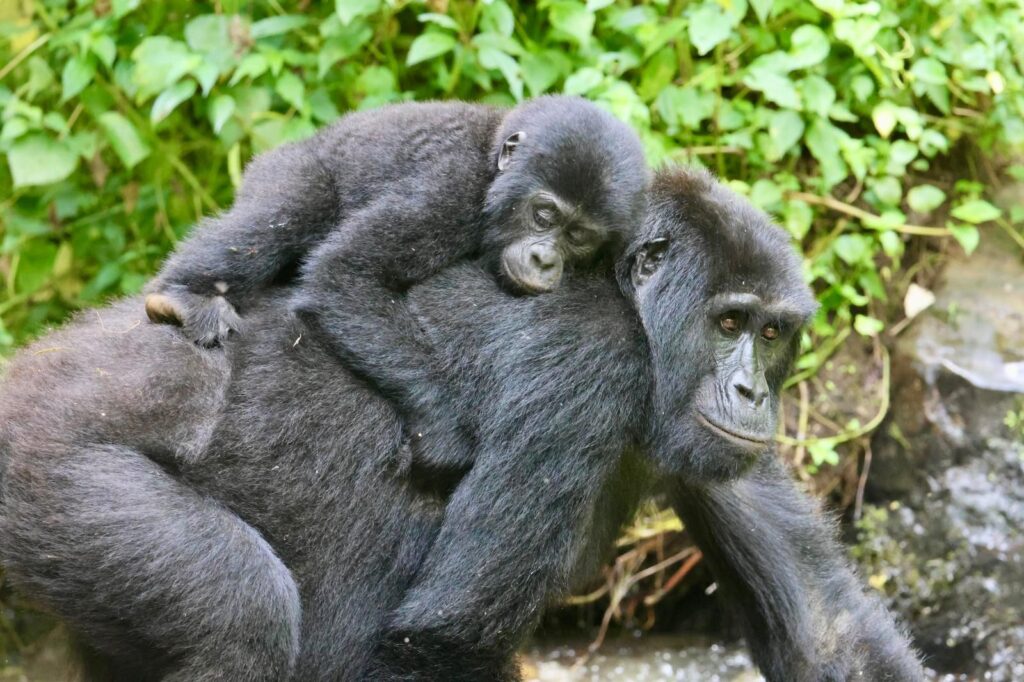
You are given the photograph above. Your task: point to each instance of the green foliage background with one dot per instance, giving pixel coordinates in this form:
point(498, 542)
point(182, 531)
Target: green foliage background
point(871, 130)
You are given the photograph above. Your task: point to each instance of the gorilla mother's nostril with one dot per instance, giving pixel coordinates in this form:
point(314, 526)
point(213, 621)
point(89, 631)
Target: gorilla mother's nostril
point(745, 391)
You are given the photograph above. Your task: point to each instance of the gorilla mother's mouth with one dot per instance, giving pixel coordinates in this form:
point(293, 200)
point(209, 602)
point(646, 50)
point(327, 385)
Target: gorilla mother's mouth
point(744, 439)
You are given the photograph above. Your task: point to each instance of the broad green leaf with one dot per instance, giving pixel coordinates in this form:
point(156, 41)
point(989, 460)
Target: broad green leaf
point(253, 66)
point(824, 141)
point(929, 70)
point(818, 94)
point(208, 33)
point(766, 195)
point(170, 98)
point(573, 19)
point(798, 218)
point(77, 74)
point(35, 265)
point(976, 211)
point(776, 88)
point(888, 190)
point(925, 198)
point(123, 137)
point(428, 46)
point(686, 107)
point(853, 249)
point(491, 58)
point(160, 62)
point(498, 17)
point(868, 326)
point(583, 81)
point(220, 111)
point(273, 26)
point(321, 106)
point(539, 71)
point(442, 20)
point(763, 9)
point(105, 49)
point(348, 10)
point(884, 117)
point(967, 235)
point(809, 47)
point(38, 159)
point(596, 5)
point(709, 26)
point(291, 90)
point(344, 44)
point(784, 130)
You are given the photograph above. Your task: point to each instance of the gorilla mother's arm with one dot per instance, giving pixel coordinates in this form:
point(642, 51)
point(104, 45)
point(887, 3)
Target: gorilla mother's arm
point(805, 613)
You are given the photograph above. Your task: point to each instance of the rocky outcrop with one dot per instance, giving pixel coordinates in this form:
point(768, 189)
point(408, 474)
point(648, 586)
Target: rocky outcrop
point(950, 553)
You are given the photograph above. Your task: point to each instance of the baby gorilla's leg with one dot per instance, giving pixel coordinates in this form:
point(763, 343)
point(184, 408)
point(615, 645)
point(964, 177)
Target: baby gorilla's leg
point(161, 581)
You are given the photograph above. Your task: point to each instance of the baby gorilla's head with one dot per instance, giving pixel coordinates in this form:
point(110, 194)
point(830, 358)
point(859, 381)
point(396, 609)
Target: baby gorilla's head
point(568, 193)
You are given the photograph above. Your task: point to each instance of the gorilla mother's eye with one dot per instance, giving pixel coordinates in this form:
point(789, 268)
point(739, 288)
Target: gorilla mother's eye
point(770, 332)
point(731, 322)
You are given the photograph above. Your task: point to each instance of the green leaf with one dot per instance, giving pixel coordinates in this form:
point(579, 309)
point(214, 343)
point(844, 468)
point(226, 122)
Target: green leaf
point(929, 70)
point(709, 26)
point(160, 62)
point(818, 94)
point(967, 235)
point(888, 190)
point(583, 81)
point(809, 47)
point(976, 211)
point(347, 10)
point(253, 65)
point(853, 249)
point(763, 9)
point(925, 198)
point(884, 117)
point(220, 111)
point(868, 326)
point(497, 17)
point(539, 71)
point(208, 33)
point(38, 159)
point(35, 265)
point(784, 130)
point(776, 88)
point(123, 137)
point(491, 58)
point(686, 107)
point(170, 98)
point(798, 218)
point(77, 74)
point(573, 19)
point(766, 195)
point(290, 88)
point(273, 26)
point(428, 46)
point(105, 49)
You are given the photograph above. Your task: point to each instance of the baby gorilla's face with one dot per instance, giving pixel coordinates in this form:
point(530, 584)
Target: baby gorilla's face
point(554, 234)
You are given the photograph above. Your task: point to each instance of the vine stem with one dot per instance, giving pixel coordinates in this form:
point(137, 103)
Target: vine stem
point(866, 216)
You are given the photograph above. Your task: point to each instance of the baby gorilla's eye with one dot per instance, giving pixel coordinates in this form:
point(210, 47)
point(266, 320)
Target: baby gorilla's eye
point(770, 332)
point(544, 216)
point(731, 322)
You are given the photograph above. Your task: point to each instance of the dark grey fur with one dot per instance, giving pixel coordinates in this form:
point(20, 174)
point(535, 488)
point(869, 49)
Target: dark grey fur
point(280, 536)
point(383, 199)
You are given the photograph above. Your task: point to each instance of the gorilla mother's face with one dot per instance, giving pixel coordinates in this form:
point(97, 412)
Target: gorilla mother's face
point(722, 300)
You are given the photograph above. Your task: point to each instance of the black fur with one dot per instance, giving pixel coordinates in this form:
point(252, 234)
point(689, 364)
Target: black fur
point(169, 501)
point(383, 199)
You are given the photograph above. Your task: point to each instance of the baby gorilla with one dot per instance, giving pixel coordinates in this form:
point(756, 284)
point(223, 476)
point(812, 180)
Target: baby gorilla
point(384, 199)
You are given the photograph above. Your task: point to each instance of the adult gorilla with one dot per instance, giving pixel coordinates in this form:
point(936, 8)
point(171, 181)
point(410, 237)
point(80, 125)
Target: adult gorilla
point(196, 515)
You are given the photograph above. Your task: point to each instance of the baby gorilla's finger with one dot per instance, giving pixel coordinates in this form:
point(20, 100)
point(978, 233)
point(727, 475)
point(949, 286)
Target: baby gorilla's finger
point(163, 310)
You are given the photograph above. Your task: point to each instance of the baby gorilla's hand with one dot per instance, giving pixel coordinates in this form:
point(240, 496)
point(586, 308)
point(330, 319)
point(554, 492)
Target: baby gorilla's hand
point(206, 320)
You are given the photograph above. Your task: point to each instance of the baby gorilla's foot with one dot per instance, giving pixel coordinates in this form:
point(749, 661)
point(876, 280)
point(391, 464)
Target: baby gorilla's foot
point(206, 320)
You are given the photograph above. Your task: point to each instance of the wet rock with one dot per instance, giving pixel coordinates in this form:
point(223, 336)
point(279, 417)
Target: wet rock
point(950, 553)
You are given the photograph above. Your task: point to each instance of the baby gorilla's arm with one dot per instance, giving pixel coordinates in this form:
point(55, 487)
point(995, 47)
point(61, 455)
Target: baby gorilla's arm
point(353, 296)
point(286, 205)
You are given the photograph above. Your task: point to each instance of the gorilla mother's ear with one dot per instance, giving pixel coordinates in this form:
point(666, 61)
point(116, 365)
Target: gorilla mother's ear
point(648, 259)
point(509, 146)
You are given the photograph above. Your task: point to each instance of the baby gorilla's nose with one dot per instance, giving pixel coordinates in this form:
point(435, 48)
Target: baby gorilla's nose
point(543, 258)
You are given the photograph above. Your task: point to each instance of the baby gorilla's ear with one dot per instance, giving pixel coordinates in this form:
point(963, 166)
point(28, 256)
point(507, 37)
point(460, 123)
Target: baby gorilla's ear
point(648, 260)
point(509, 146)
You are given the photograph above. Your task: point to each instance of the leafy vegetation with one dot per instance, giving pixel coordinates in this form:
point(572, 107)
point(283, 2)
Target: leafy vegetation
point(868, 128)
